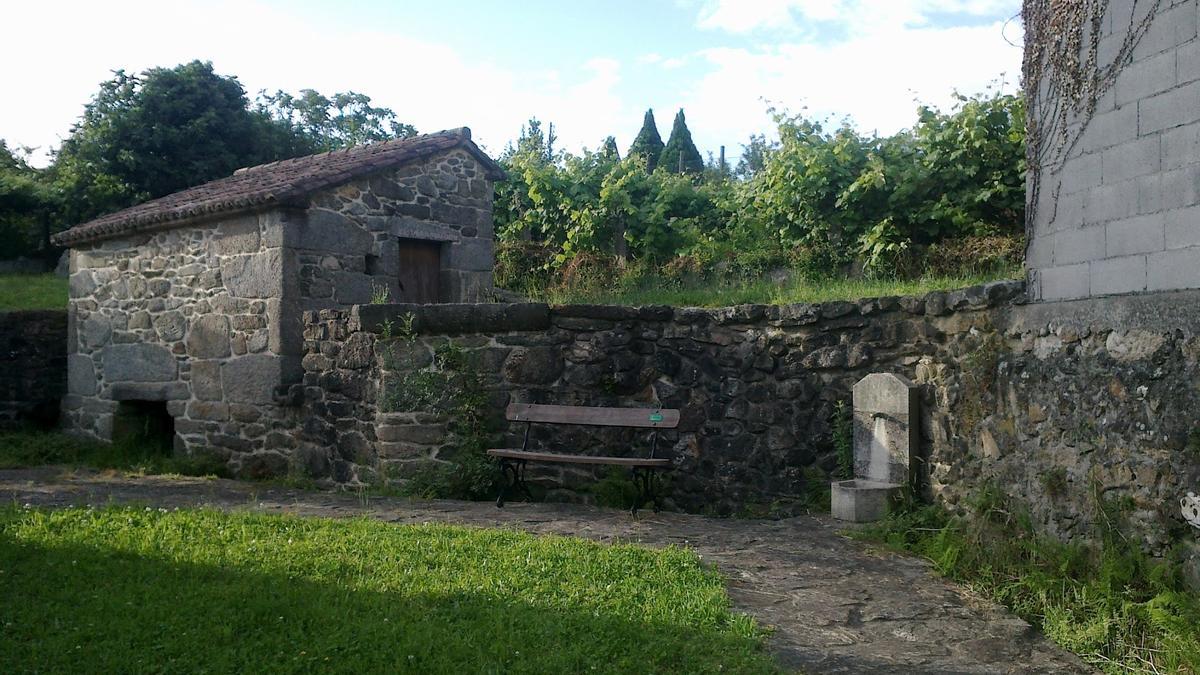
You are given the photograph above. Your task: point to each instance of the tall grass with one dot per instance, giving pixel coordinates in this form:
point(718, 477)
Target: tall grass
point(656, 290)
point(1119, 609)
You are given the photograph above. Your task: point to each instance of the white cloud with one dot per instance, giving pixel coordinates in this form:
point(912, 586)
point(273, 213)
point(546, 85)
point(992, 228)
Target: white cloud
point(746, 16)
point(427, 84)
point(887, 55)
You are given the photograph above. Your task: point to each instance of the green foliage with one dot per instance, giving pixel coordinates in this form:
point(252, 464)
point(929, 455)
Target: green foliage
point(136, 589)
point(680, 154)
point(145, 136)
point(944, 199)
point(453, 388)
point(32, 291)
point(26, 205)
point(380, 295)
point(325, 123)
point(647, 144)
point(643, 286)
point(31, 448)
point(615, 489)
point(1054, 481)
point(843, 439)
point(1117, 608)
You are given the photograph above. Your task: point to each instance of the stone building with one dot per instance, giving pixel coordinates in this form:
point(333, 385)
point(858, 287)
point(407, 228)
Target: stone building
point(187, 309)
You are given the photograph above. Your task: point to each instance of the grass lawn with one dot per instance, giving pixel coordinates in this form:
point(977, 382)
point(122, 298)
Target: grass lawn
point(121, 589)
point(32, 291)
point(651, 292)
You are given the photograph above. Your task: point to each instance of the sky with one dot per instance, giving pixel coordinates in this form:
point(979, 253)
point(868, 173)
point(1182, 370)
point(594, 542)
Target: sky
point(592, 68)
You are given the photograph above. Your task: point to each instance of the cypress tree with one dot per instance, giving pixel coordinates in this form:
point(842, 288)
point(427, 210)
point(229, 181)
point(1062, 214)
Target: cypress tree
point(648, 143)
point(680, 154)
point(609, 149)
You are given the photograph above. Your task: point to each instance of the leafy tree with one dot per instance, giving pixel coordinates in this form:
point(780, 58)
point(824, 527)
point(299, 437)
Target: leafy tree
point(145, 136)
point(26, 202)
point(609, 149)
point(332, 122)
point(754, 157)
point(148, 135)
point(680, 154)
point(648, 144)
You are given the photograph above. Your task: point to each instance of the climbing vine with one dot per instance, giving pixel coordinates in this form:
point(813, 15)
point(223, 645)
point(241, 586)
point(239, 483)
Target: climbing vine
point(1064, 78)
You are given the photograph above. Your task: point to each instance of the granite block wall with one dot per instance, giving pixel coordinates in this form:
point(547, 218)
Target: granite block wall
point(1052, 403)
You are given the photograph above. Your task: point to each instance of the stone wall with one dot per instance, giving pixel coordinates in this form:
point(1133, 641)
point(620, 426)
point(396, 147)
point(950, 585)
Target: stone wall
point(347, 243)
point(1118, 209)
point(33, 367)
point(197, 317)
point(1046, 402)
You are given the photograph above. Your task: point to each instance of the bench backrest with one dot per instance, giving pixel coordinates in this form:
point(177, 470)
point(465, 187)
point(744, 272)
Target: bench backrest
point(656, 418)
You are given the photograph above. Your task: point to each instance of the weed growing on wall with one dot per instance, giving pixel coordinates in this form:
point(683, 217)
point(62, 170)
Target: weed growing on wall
point(843, 439)
point(1119, 609)
point(451, 387)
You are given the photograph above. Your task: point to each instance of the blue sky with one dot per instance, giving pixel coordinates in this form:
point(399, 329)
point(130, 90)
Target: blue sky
point(592, 68)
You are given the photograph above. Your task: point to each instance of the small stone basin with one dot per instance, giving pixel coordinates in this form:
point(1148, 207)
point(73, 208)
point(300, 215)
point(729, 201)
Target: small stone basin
point(860, 500)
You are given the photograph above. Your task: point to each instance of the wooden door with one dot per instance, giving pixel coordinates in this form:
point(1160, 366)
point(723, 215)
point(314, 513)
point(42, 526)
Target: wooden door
point(420, 271)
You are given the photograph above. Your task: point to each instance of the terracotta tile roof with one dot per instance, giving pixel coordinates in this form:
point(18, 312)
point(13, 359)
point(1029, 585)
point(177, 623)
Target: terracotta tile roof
point(282, 183)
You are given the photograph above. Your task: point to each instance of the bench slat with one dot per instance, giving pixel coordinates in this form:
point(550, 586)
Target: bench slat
point(576, 459)
point(658, 418)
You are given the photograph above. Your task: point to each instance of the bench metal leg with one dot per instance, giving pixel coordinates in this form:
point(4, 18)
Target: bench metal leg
point(512, 474)
point(644, 480)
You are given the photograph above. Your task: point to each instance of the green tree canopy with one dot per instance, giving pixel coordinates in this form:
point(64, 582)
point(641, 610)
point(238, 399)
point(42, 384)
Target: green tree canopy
point(331, 122)
point(648, 143)
point(148, 135)
point(144, 136)
point(25, 205)
point(680, 154)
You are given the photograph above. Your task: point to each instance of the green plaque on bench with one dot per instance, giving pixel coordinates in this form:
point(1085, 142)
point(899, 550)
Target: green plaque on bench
point(656, 417)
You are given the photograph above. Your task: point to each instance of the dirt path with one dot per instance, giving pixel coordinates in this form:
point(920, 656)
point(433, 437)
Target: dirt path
point(836, 605)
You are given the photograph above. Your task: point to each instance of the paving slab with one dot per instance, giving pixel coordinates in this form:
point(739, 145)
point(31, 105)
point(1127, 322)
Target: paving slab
point(835, 605)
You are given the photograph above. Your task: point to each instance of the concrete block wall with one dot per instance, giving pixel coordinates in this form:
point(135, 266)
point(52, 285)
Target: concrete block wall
point(1122, 213)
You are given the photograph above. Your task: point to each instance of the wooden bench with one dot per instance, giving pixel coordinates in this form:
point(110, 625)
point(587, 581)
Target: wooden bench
point(643, 470)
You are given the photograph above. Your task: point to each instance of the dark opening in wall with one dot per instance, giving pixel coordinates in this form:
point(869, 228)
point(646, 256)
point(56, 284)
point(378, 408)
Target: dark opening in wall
point(146, 424)
point(374, 265)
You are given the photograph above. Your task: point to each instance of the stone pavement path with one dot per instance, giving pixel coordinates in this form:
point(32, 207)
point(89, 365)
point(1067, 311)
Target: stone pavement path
point(836, 605)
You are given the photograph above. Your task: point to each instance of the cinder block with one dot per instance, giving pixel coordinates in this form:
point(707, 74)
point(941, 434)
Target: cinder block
point(1181, 228)
point(1169, 270)
point(1082, 172)
point(1140, 234)
point(1111, 128)
point(1181, 146)
point(1076, 246)
point(1181, 187)
point(1118, 17)
point(1064, 283)
point(1168, 29)
point(1187, 62)
point(1110, 202)
point(1130, 160)
point(1146, 77)
point(1040, 252)
point(1118, 275)
point(1173, 108)
point(1149, 189)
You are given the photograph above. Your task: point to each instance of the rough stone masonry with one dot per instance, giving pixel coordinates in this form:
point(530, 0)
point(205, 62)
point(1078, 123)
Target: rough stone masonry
point(195, 300)
point(1052, 404)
